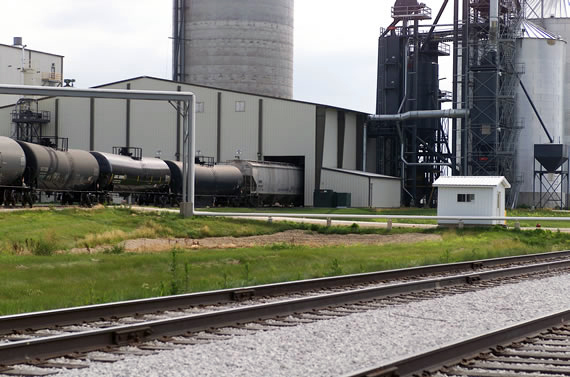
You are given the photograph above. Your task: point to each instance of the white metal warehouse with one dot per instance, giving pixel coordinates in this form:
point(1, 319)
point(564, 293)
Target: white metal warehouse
point(229, 124)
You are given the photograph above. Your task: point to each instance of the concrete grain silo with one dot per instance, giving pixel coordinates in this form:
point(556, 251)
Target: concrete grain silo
point(540, 57)
point(242, 45)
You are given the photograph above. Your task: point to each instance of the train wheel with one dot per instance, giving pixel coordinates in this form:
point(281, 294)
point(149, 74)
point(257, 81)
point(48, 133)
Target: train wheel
point(27, 199)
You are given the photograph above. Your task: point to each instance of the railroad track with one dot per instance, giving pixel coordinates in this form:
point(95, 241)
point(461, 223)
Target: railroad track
point(93, 313)
point(209, 326)
point(537, 347)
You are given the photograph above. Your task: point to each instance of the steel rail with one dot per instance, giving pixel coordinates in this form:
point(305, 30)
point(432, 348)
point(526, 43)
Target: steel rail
point(434, 360)
point(53, 346)
point(68, 316)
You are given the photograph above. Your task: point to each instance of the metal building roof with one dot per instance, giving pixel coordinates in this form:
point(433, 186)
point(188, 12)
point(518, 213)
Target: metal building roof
point(472, 181)
point(547, 8)
point(532, 30)
point(362, 173)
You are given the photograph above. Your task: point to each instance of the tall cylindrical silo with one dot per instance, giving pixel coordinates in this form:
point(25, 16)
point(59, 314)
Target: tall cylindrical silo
point(554, 16)
point(242, 45)
point(541, 57)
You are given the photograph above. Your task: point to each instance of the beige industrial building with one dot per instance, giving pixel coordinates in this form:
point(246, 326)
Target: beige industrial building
point(229, 125)
point(22, 66)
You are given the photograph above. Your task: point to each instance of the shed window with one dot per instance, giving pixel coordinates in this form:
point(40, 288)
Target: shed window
point(465, 198)
point(199, 107)
point(240, 106)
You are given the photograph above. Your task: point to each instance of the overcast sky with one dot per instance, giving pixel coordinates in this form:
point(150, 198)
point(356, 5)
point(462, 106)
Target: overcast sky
point(111, 40)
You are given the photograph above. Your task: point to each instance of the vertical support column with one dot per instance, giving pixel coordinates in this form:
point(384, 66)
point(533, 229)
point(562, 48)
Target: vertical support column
point(360, 155)
point(92, 124)
point(341, 126)
point(56, 120)
point(219, 129)
point(188, 163)
point(319, 143)
point(260, 132)
point(128, 121)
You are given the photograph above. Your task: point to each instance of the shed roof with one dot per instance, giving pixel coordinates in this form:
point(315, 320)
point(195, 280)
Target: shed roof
point(361, 173)
point(472, 181)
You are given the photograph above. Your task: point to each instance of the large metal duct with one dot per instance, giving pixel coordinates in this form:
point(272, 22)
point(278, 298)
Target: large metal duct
point(242, 45)
point(542, 54)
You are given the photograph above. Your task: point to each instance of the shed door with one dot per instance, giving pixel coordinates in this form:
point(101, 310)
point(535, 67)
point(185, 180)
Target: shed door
point(499, 202)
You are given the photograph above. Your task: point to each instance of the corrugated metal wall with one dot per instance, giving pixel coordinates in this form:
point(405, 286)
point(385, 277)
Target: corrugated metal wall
point(110, 116)
point(239, 128)
point(331, 139)
point(288, 127)
point(386, 193)
point(485, 203)
point(349, 156)
point(74, 121)
point(289, 130)
point(375, 192)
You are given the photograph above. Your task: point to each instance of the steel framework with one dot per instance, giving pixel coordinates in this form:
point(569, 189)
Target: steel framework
point(490, 81)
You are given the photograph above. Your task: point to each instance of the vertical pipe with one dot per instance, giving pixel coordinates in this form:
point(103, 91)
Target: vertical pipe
point(175, 40)
point(465, 86)
point(178, 126)
point(188, 163)
point(493, 24)
point(455, 86)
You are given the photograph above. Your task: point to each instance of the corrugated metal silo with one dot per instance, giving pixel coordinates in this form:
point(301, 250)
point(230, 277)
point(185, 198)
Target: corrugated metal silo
point(243, 45)
point(541, 57)
point(554, 16)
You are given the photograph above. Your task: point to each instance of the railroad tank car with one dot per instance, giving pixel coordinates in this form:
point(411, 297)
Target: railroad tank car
point(270, 183)
point(53, 170)
point(12, 162)
point(217, 182)
point(125, 174)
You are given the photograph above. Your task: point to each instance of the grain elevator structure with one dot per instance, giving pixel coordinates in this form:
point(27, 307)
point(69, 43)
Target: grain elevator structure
point(242, 45)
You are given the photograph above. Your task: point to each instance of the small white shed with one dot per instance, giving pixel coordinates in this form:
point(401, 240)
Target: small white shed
point(471, 196)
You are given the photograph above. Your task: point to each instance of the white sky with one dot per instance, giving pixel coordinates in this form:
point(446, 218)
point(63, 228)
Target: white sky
point(111, 40)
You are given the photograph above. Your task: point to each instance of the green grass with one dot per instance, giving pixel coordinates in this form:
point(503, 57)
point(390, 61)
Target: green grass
point(33, 282)
point(42, 232)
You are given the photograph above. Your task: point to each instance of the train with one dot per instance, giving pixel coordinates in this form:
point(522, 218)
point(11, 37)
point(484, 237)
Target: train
point(83, 177)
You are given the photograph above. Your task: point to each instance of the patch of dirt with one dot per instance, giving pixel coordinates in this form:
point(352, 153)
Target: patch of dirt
point(291, 237)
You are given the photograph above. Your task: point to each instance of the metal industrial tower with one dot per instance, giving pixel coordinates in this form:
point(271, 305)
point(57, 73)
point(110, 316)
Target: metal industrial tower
point(490, 30)
point(411, 138)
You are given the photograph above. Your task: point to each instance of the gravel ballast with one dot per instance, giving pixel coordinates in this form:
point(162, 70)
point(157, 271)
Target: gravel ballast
point(339, 346)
